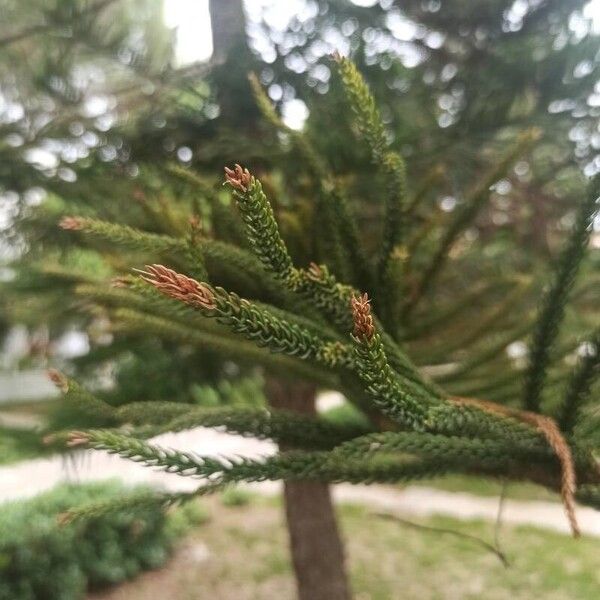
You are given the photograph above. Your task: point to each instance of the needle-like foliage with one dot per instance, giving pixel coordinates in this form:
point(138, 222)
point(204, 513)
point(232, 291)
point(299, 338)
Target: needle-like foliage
point(256, 303)
point(556, 298)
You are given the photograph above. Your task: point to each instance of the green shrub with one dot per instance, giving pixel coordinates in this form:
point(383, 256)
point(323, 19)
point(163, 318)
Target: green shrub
point(41, 559)
point(235, 497)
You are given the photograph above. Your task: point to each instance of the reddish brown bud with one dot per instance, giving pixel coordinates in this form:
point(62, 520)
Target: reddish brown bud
point(119, 282)
point(77, 438)
point(49, 439)
point(364, 329)
point(238, 178)
point(72, 223)
point(315, 271)
point(64, 518)
point(59, 380)
point(138, 195)
point(179, 286)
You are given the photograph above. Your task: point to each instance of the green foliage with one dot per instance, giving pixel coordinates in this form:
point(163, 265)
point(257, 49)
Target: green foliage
point(385, 388)
point(247, 392)
point(390, 163)
point(258, 217)
point(553, 307)
point(444, 449)
point(262, 304)
point(19, 444)
point(468, 211)
point(274, 311)
point(40, 558)
point(153, 418)
point(578, 393)
point(232, 497)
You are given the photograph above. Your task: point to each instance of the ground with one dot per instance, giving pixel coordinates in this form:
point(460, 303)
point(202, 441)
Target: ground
point(241, 554)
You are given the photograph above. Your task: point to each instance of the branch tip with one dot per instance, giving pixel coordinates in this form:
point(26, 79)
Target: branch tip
point(77, 438)
point(315, 271)
point(119, 282)
point(59, 380)
point(72, 223)
point(238, 178)
point(179, 286)
point(364, 328)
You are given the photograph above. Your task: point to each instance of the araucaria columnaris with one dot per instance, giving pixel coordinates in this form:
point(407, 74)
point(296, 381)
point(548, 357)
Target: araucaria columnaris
point(428, 376)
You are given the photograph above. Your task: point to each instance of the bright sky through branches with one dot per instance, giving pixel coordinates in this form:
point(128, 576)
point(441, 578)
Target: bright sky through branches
point(192, 21)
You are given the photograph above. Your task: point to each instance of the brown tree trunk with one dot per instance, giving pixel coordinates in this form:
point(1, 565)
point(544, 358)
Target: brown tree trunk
point(315, 544)
point(228, 24)
point(232, 60)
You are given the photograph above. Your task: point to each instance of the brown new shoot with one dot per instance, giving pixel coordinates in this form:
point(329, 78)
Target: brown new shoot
point(59, 380)
point(72, 223)
point(364, 329)
point(179, 286)
point(238, 178)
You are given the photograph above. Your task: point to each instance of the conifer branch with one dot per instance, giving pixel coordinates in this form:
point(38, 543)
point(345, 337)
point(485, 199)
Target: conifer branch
point(344, 225)
point(329, 296)
point(470, 452)
point(300, 326)
point(378, 376)
point(553, 305)
point(225, 345)
point(548, 428)
point(261, 227)
point(363, 106)
point(141, 500)
point(390, 163)
point(436, 318)
point(211, 256)
point(254, 322)
point(130, 293)
point(180, 287)
point(123, 235)
point(81, 400)
point(485, 325)
point(293, 465)
point(580, 385)
point(333, 299)
point(280, 426)
point(464, 216)
point(492, 352)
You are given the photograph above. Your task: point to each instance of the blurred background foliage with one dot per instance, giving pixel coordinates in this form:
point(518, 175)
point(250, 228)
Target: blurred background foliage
point(98, 113)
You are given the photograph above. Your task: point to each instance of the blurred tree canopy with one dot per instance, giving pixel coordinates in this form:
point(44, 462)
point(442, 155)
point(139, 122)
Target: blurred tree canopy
point(95, 113)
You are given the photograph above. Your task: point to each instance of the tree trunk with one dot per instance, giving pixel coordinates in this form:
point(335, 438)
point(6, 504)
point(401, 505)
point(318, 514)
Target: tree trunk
point(315, 544)
point(232, 61)
point(228, 25)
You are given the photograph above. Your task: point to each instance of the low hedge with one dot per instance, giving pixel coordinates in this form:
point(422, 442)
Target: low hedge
point(42, 559)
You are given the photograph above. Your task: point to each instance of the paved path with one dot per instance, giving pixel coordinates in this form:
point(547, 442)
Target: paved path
point(31, 477)
point(31, 385)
